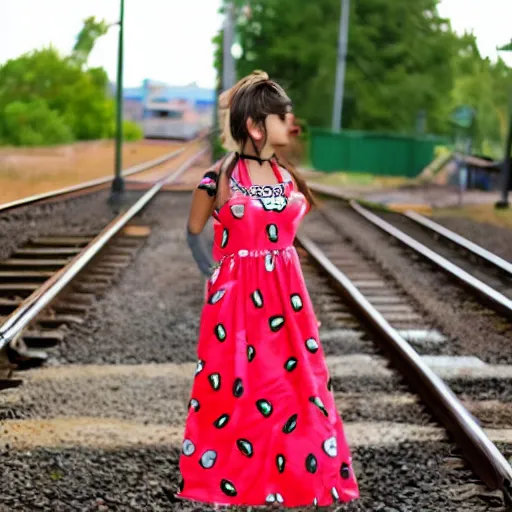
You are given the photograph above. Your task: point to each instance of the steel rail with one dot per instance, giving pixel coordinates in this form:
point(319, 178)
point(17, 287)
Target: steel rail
point(326, 190)
point(485, 458)
point(16, 322)
point(459, 240)
point(488, 294)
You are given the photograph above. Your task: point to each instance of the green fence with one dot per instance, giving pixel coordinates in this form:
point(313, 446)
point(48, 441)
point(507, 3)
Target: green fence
point(375, 153)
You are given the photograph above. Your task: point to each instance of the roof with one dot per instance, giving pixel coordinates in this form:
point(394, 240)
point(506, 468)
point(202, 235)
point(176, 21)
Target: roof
point(134, 93)
point(191, 93)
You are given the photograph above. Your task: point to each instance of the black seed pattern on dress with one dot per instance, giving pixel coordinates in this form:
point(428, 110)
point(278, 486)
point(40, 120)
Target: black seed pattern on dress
point(215, 297)
point(221, 421)
point(257, 299)
point(265, 407)
point(220, 332)
point(291, 424)
point(276, 322)
point(245, 447)
point(296, 301)
point(311, 463)
point(238, 388)
point(208, 459)
point(312, 345)
point(228, 488)
point(215, 380)
point(318, 402)
point(225, 238)
point(194, 404)
point(272, 232)
point(291, 364)
point(280, 463)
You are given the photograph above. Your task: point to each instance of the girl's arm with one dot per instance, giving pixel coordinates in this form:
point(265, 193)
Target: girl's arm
point(203, 203)
point(208, 193)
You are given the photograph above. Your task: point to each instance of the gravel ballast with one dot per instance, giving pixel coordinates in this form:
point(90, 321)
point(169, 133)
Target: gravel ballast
point(80, 215)
point(126, 480)
point(151, 316)
point(493, 238)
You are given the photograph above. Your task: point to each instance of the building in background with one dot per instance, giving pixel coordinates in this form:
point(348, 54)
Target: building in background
point(165, 111)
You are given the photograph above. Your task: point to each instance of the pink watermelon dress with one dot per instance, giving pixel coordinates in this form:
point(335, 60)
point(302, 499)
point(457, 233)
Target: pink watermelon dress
point(262, 426)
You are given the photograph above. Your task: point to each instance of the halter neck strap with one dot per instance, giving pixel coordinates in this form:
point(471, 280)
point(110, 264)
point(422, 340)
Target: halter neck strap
point(245, 177)
point(255, 158)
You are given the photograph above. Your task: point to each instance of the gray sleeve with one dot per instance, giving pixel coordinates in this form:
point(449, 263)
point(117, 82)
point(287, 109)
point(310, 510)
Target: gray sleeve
point(200, 254)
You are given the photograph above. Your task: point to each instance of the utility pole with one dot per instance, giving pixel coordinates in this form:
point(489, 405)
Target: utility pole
point(228, 61)
point(506, 169)
point(506, 172)
point(118, 183)
point(341, 64)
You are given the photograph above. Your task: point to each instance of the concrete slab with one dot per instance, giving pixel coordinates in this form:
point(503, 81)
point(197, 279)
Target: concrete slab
point(455, 362)
point(341, 334)
point(422, 336)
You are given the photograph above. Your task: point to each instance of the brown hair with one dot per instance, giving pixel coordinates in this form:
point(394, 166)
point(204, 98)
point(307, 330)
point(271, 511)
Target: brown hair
point(257, 97)
point(223, 107)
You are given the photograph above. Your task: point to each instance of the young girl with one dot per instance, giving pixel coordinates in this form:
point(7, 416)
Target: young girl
point(262, 426)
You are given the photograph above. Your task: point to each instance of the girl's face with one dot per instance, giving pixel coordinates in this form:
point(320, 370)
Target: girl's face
point(278, 127)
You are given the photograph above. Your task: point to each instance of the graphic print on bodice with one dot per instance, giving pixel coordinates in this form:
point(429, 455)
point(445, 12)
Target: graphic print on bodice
point(262, 426)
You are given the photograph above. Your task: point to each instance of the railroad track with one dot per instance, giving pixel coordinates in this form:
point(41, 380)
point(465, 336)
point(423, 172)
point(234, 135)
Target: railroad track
point(92, 185)
point(398, 327)
point(50, 282)
point(483, 273)
point(403, 460)
point(122, 424)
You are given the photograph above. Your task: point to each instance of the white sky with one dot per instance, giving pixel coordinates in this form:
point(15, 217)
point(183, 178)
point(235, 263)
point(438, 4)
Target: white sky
point(170, 40)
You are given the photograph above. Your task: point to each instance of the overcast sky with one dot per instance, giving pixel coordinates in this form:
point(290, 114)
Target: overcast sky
point(170, 40)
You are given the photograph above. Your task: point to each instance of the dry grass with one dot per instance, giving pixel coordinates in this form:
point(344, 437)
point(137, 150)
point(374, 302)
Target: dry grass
point(191, 177)
point(485, 213)
point(28, 171)
point(354, 179)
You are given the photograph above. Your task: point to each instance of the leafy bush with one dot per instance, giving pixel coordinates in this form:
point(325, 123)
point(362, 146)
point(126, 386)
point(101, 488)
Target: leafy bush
point(33, 123)
point(132, 131)
point(55, 98)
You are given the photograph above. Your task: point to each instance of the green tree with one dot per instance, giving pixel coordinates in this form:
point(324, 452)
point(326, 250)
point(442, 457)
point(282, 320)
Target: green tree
point(87, 37)
point(132, 131)
point(486, 87)
point(78, 96)
point(32, 123)
point(399, 59)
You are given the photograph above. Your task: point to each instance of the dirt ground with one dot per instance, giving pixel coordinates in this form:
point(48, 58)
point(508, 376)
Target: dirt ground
point(28, 171)
point(437, 200)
